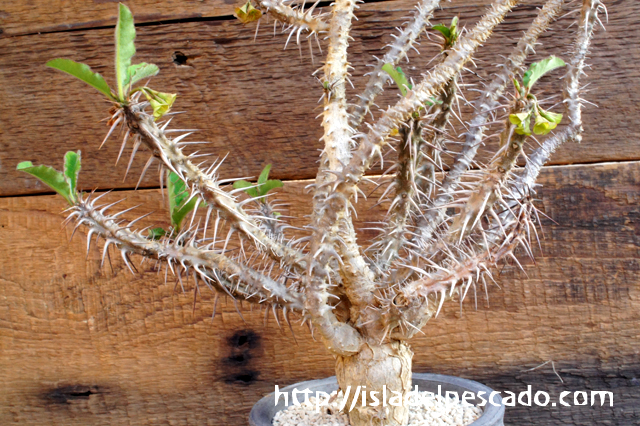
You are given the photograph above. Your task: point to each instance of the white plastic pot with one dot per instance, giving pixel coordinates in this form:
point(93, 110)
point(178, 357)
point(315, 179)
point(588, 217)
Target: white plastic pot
point(263, 412)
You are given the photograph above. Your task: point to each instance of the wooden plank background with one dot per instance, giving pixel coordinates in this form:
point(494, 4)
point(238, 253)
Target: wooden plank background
point(254, 99)
point(82, 345)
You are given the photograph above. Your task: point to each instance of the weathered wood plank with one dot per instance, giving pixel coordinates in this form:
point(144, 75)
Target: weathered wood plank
point(17, 17)
point(80, 345)
point(257, 101)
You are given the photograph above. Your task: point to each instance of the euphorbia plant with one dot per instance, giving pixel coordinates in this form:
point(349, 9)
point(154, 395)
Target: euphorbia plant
point(447, 225)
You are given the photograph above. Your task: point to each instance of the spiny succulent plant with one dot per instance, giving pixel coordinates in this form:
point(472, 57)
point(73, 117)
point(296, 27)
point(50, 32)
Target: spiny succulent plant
point(447, 225)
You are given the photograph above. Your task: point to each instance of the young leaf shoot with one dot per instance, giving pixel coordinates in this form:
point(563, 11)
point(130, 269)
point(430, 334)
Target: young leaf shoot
point(63, 183)
point(263, 186)
point(545, 121)
point(160, 102)
point(72, 169)
point(450, 33)
point(139, 72)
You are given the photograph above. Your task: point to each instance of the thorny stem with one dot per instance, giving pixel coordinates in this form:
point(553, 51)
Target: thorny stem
point(206, 186)
point(335, 225)
point(483, 106)
point(226, 275)
point(488, 190)
point(588, 20)
point(335, 121)
point(333, 239)
point(430, 85)
point(297, 18)
point(393, 236)
point(395, 53)
point(416, 176)
point(435, 137)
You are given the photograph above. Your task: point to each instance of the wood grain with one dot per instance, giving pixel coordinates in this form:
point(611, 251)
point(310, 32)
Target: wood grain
point(17, 17)
point(258, 101)
point(80, 345)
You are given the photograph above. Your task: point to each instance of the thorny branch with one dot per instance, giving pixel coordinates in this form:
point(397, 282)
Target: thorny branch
point(504, 230)
point(333, 244)
point(588, 21)
point(484, 106)
point(426, 253)
point(184, 254)
point(204, 185)
point(419, 158)
point(396, 51)
point(298, 19)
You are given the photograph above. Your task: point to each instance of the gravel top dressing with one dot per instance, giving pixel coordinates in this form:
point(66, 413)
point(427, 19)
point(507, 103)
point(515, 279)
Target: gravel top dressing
point(435, 410)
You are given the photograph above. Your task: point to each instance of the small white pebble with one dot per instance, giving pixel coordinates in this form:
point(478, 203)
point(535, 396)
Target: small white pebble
point(435, 411)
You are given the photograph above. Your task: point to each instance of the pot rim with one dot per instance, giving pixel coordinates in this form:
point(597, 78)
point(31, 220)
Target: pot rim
point(492, 414)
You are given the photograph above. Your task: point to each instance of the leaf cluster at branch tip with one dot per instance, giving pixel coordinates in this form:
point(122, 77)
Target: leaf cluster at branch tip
point(544, 121)
point(450, 33)
point(64, 183)
point(126, 74)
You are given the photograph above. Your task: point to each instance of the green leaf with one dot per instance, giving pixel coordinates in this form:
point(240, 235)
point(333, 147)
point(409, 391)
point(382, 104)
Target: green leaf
point(82, 72)
point(398, 76)
point(139, 72)
point(551, 116)
point(432, 101)
point(449, 33)
point(125, 49)
point(250, 188)
point(517, 119)
point(178, 215)
point(247, 13)
point(160, 102)
point(522, 121)
point(446, 32)
point(256, 190)
point(264, 175)
point(538, 69)
point(157, 233)
point(178, 196)
point(545, 121)
point(72, 169)
point(50, 176)
point(269, 185)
